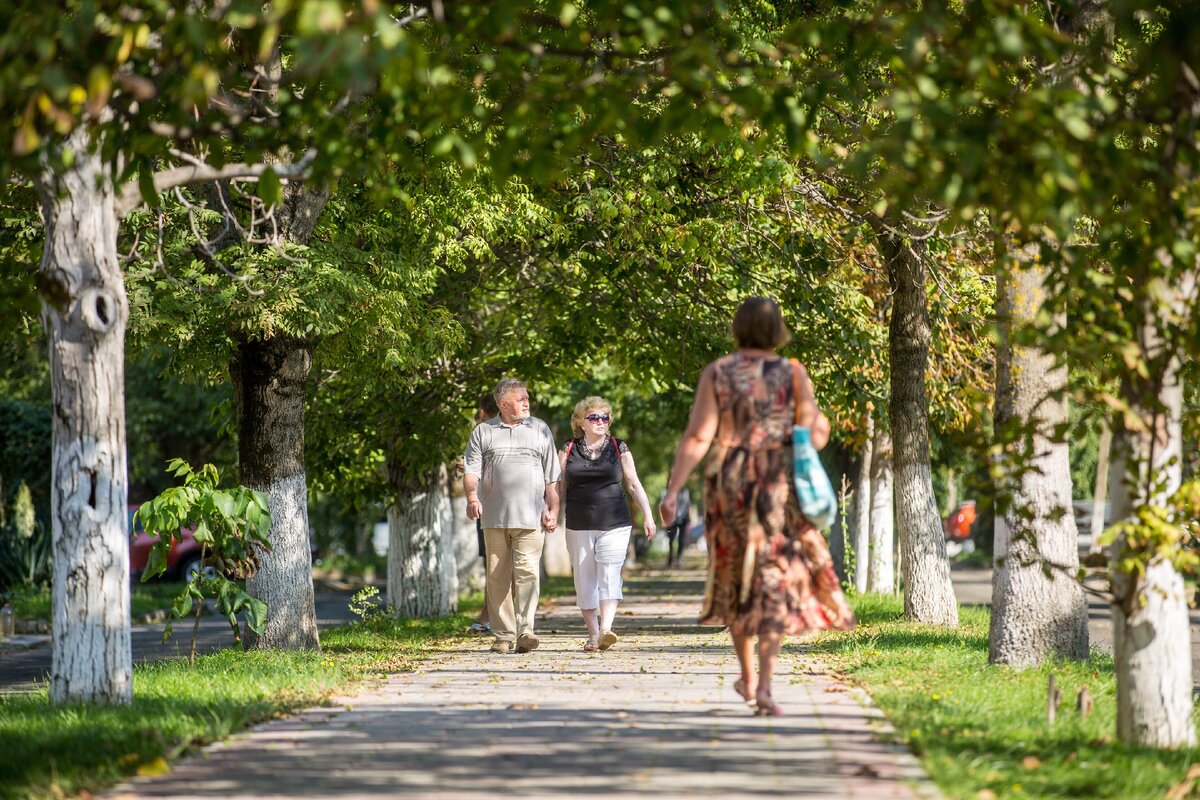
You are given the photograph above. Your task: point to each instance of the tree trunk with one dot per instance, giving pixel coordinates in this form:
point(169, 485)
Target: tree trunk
point(1099, 497)
point(860, 522)
point(881, 573)
point(269, 388)
point(928, 593)
point(84, 310)
point(1151, 639)
point(422, 579)
point(1038, 613)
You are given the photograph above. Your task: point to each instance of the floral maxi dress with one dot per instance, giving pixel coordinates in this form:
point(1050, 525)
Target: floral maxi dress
point(769, 568)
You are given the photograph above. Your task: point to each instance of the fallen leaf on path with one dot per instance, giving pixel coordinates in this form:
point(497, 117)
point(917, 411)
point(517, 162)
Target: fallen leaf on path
point(158, 766)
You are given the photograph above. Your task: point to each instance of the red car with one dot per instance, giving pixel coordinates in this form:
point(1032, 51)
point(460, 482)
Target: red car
point(182, 561)
point(958, 525)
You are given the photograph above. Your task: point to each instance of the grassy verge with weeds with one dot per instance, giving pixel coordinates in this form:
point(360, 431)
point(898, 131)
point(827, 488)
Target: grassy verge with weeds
point(50, 751)
point(981, 731)
point(144, 598)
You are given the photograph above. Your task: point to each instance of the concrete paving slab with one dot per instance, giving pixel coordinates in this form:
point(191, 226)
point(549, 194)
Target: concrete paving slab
point(656, 716)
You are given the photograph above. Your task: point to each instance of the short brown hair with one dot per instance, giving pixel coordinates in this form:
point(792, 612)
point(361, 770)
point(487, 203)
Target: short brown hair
point(758, 322)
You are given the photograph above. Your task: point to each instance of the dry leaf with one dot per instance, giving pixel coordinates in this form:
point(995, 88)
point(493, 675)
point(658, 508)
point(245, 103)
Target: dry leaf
point(150, 769)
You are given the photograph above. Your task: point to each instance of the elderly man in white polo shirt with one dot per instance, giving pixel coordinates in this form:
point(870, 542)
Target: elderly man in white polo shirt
point(511, 472)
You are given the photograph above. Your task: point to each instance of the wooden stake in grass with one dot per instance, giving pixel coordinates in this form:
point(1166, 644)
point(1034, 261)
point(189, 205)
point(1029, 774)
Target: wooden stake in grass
point(1054, 696)
point(1084, 702)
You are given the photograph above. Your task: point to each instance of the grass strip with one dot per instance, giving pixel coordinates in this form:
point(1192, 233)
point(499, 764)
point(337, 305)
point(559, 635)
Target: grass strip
point(52, 751)
point(980, 730)
point(144, 598)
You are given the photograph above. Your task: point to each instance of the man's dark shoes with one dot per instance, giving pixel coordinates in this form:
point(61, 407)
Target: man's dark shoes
point(527, 642)
point(503, 647)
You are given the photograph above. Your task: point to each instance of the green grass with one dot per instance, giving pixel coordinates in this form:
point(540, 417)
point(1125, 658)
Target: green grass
point(31, 604)
point(978, 728)
point(47, 751)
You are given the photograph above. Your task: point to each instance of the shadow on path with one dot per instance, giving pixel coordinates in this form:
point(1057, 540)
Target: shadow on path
point(653, 717)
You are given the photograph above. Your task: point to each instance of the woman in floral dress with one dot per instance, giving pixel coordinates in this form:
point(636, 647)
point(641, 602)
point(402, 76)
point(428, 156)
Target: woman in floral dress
point(769, 569)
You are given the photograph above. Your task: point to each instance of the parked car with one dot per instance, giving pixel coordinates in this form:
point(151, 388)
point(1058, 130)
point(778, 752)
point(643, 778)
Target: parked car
point(183, 559)
point(958, 524)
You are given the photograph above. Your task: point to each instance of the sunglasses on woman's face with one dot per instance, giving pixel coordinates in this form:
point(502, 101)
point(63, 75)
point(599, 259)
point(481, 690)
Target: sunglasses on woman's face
point(597, 417)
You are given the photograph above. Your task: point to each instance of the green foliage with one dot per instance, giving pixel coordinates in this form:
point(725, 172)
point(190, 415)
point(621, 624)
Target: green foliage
point(24, 546)
point(1167, 530)
point(369, 606)
point(170, 412)
point(25, 551)
point(231, 525)
point(979, 727)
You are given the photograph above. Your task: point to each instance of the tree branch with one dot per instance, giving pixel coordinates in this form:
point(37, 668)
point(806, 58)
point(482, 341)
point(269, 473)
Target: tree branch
point(130, 196)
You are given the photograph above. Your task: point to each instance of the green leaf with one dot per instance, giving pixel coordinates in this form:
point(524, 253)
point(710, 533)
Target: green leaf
point(270, 188)
point(146, 186)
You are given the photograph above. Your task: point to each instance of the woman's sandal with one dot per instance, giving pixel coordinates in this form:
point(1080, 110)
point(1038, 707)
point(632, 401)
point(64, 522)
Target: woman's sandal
point(590, 646)
point(740, 687)
point(765, 706)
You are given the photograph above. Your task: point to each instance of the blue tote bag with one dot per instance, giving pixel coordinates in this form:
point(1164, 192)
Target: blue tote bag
point(813, 489)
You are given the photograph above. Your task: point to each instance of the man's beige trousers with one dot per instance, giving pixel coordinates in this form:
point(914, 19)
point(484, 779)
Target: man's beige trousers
point(514, 571)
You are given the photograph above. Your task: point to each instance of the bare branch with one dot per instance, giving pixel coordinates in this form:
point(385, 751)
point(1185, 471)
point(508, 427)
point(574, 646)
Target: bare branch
point(130, 196)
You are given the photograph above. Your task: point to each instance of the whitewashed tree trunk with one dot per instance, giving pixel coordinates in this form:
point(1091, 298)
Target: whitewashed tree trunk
point(1037, 613)
point(1151, 638)
point(860, 521)
point(928, 593)
point(420, 548)
point(881, 573)
point(1100, 495)
point(269, 389)
point(85, 311)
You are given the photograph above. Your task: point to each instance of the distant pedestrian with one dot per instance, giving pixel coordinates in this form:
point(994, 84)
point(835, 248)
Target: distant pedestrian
point(482, 624)
point(770, 573)
point(677, 531)
point(597, 470)
point(511, 484)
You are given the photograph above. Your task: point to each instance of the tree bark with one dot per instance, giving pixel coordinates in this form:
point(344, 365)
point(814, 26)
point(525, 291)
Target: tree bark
point(1151, 640)
point(269, 388)
point(85, 312)
point(881, 572)
point(928, 593)
point(422, 575)
point(1038, 608)
point(860, 522)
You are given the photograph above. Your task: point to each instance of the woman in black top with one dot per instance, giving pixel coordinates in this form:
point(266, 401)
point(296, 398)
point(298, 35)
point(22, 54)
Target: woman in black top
point(597, 469)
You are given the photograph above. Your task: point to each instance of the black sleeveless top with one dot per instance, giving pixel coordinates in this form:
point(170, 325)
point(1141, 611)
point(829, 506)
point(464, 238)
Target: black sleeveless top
point(595, 496)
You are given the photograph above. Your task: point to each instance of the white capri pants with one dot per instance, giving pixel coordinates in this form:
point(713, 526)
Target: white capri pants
point(596, 560)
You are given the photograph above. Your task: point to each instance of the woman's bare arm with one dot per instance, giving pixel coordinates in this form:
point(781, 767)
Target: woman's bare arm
point(696, 439)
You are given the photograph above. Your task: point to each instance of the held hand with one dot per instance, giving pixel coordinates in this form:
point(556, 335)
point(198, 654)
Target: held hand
point(474, 509)
point(549, 521)
point(648, 527)
point(667, 508)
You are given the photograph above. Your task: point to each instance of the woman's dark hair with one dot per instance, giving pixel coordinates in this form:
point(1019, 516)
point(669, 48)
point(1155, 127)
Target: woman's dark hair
point(487, 404)
point(758, 323)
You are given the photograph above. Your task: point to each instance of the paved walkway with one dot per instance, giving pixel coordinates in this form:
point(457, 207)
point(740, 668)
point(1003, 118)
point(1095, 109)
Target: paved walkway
point(656, 716)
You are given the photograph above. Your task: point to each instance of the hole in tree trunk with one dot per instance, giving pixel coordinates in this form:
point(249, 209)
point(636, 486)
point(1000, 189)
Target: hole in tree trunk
point(102, 309)
point(91, 477)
